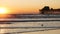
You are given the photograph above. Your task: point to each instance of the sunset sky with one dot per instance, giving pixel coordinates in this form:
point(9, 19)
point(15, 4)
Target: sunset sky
point(28, 6)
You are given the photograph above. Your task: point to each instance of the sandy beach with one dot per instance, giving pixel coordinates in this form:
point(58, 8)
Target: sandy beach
point(45, 32)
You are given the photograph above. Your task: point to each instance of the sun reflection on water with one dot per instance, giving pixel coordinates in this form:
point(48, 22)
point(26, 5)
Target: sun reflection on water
point(2, 30)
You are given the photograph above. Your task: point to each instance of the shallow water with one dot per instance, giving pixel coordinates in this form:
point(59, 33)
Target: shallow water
point(28, 26)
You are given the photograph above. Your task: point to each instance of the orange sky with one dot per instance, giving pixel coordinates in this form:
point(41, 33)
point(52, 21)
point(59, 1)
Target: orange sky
point(28, 6)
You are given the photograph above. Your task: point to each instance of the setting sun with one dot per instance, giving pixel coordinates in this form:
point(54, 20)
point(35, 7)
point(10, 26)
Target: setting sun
point(3, 10)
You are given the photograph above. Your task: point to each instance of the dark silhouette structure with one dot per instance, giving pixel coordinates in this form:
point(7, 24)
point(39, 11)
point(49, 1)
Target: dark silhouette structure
point(47, 10)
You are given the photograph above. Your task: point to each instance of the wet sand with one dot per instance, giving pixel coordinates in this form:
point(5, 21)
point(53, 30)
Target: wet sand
point(45, 32)
point(31, 24)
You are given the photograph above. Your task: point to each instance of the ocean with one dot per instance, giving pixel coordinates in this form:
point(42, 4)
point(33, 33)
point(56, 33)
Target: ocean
point(32, 25)
point(49, 27)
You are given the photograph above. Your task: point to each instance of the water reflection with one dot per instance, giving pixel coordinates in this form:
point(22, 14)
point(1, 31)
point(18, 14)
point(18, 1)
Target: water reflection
point(5, 16)
point(2, 30)
point(18, 26)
